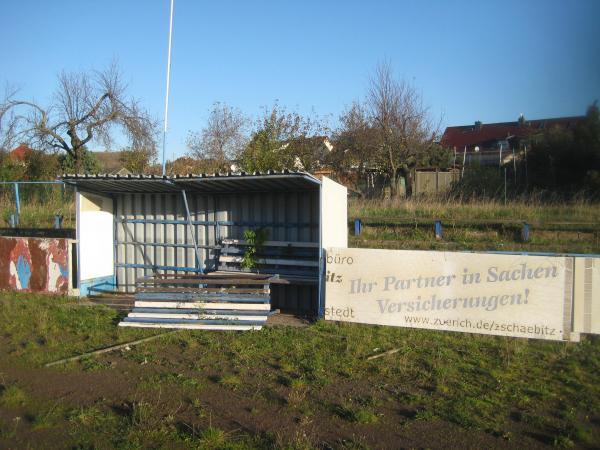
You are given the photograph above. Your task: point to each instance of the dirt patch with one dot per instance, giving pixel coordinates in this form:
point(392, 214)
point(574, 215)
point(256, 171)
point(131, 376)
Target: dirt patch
point(116, 384)
point(287, 320)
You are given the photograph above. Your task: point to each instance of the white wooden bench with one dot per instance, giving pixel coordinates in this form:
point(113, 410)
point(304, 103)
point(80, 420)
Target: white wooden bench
point(294, 262)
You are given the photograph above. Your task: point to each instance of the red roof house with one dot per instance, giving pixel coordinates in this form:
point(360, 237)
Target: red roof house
point(19, 154)
point(493, 141)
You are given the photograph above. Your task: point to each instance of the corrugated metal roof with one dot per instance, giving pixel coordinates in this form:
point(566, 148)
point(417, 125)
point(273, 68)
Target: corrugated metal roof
point(216, 183)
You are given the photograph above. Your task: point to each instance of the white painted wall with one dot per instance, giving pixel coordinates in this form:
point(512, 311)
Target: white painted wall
point(95, 236)
point(334, 214)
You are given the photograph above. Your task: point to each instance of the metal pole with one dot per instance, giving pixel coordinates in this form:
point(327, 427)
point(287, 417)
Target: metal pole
point(505, 185)
point(357, 227)
point(525, 233)
point(526, 171)
point(31, 182)
point(437, 229)
point(17, 201)
point(192, 231)
point(167, 92)
point(500, 160)
point(514, 166)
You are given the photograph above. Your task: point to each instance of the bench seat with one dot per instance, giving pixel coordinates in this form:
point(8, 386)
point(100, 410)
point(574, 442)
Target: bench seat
point(294, 262)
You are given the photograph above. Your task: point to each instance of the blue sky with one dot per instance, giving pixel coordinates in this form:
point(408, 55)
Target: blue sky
point(472, 60)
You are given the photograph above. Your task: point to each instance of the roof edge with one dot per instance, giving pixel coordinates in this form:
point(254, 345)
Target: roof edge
point(190, 176)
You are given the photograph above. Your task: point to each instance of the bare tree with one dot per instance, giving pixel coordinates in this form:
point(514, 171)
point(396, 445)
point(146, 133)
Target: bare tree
point(355, 147)
point(222, 139)
point(403, 125)
point(9, 124)
point(85, 108)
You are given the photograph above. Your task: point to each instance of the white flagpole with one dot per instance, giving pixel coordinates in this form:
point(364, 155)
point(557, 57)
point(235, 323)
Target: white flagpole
point(167, 93)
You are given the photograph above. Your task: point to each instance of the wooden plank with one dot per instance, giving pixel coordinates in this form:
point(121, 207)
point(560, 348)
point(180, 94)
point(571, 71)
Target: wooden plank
point(274, 250)
point(215, 280)
point(273, 243)
point(194, 321)
point(105, 350)
point(381, 355)
point(281, 272)
point(182, 296)
point(271, 261)
point(205, 305)
point(175, 315)
point(297, 280)
point(192, 326)
point(205, 290)
point(288, 279)
point(211, 275)
point(238, 312)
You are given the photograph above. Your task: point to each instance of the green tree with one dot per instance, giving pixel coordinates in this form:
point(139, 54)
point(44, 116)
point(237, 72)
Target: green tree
point(434, 155)
point(567, 159)
point(138, 160)
point(9, 170)
point(263, 152)
point(86, 162)
point(41, 166)
point(284, 139)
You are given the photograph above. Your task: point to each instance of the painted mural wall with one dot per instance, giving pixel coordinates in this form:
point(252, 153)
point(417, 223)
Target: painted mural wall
point(34, 264)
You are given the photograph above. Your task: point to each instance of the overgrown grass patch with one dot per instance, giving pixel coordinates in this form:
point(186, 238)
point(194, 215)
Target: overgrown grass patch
point(12, 396)
point(41, 328)
point(480, 225)
point(474, 381)
point(39, 205)
point(530, 208)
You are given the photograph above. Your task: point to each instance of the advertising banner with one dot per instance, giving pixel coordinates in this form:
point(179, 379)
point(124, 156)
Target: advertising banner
point(506, 295)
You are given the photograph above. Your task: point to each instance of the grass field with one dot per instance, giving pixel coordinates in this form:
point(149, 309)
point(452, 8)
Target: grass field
point(564, 227)
point(286, 387)
point(313, 387)
point(532, 209)
point(561, 227)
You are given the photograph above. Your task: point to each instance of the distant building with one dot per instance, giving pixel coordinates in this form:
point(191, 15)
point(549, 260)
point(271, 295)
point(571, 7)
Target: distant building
point(320, 147)
point(110, 162)
point(493, 143)
point(19, 154)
